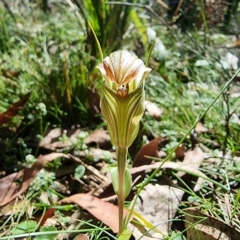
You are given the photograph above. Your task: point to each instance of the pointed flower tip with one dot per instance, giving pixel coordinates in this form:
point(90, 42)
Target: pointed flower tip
point(123, 71)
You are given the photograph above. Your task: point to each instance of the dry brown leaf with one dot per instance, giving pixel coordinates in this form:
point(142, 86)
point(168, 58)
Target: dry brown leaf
point(103, 211)
point(200, 128)
point(8, 186)
point(192, 159)
point(99, 137)
point(209, 228)
point(173, 165)
point(161, 154)
point(180, 152)
point(81, 237)
point(51, 140)
point(48, 214)
point(14, 109)
point(158, 205)
point(153, 110)
point(52, 134)
point(149, 149)
point(188, 168)
point(10, 190)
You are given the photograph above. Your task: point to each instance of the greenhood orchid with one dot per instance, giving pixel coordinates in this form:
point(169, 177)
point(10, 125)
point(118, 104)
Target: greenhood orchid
point(122, 101)
point(122, 105)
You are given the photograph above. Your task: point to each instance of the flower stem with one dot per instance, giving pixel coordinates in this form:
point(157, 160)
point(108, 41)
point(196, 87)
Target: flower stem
point(121, 160)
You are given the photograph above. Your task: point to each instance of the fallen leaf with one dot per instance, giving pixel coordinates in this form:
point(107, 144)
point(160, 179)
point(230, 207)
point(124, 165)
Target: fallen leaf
point(14, 109)
point(149, 149)
point(173, 165)
point(8, 185)
point(158, 204)
point(51, 135)
point(192, 159)
point(81, 237)
point(161, 154)
point(188, 168)
point(180, 152)
point(103, 211)
point(233, 44)
point(209, 228)
point(200, 128)
point(153, 110)
point(99, 137)
point(51, 140)
point(48, 214)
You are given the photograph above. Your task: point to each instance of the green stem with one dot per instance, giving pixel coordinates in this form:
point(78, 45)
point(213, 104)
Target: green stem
point(121, 160)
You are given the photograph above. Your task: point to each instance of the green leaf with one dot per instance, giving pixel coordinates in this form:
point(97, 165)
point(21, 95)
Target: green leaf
point(177, 236)
point(125, 235)
point(79, 171)
point(114, 175)
point(127, 180)
point(140, 220)
point(141, 27)
point(24, 227)
point(47, 236)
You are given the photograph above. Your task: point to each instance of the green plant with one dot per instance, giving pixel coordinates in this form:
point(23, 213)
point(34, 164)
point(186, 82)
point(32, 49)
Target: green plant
point(122, 105)
point(103, 18)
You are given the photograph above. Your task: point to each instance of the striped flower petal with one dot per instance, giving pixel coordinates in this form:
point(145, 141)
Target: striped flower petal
point(123, 71)
point(122, 100)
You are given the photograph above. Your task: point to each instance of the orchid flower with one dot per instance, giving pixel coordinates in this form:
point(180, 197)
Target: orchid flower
point(122, 101)
point(122, 105)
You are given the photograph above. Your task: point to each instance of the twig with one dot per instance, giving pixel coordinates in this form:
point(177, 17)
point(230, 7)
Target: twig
point(178, 7)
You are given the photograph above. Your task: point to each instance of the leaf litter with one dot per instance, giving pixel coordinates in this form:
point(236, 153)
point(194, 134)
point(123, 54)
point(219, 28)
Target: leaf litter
point(104, 211)
point(207, 227)
point(15, 184)
point(149, 149)
point(52, 141)
point(159, 207)
point(157, 204)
